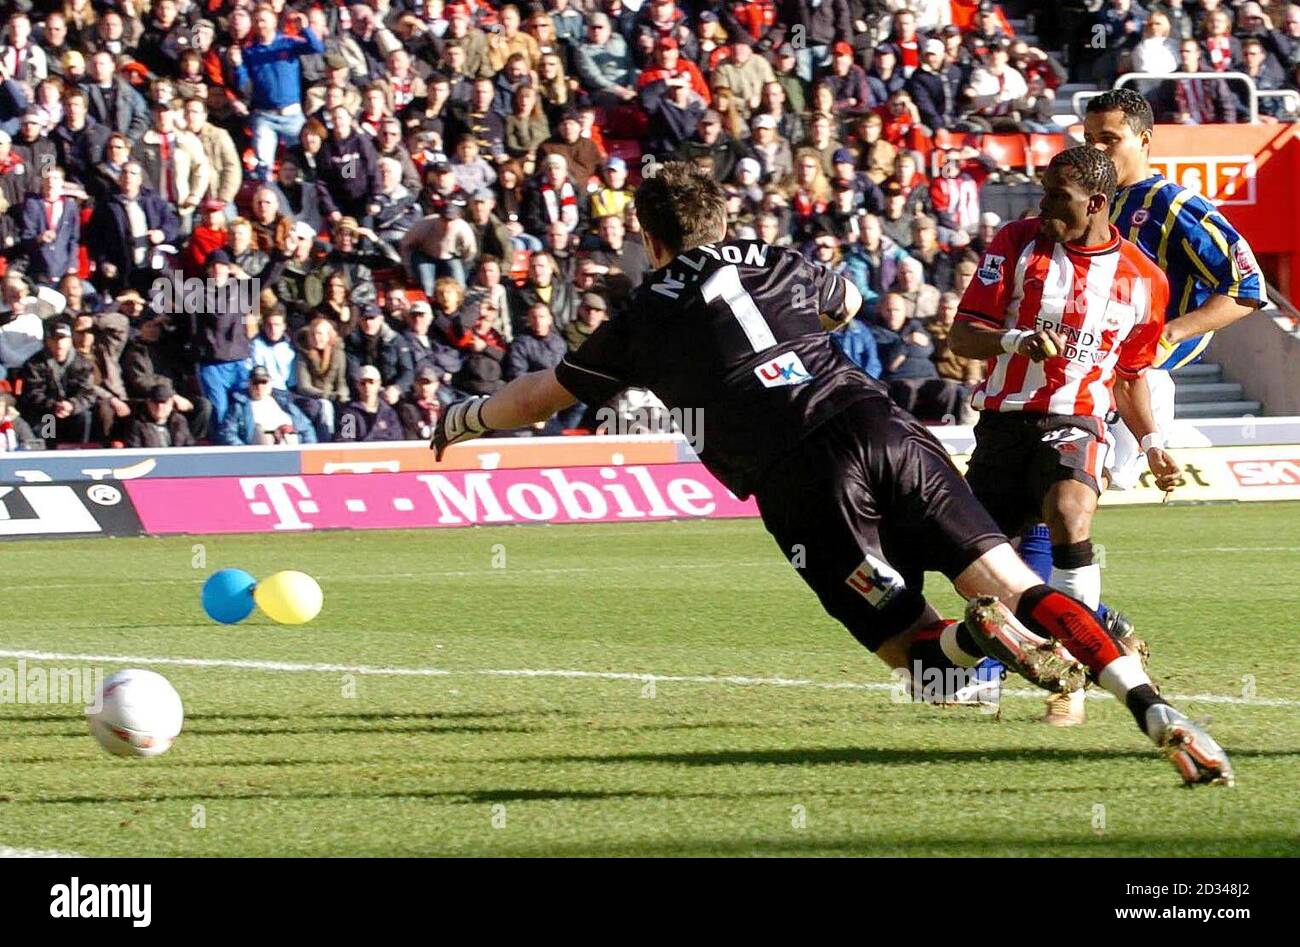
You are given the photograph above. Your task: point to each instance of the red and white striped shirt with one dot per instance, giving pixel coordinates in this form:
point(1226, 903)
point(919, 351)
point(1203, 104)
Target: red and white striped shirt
point(1107, 302)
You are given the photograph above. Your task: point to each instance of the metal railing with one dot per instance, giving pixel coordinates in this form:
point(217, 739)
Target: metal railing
point(1284, 310)
point(1289, 96)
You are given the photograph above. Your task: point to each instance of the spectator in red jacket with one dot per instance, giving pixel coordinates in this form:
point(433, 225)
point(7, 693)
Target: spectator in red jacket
point(669, 62)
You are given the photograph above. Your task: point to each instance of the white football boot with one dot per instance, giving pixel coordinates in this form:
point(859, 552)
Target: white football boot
point(1193, 752)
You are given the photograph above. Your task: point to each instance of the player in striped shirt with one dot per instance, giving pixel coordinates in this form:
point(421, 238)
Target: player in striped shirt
point(1070, 315)
point(1213, 277)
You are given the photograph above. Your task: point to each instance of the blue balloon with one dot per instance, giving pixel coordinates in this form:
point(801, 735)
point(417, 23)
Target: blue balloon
point(228, 595)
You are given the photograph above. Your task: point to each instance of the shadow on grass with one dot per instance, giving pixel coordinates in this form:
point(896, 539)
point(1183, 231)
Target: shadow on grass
point(377, 730)
point(449, 796)
point(877, 756)
point(381, 716)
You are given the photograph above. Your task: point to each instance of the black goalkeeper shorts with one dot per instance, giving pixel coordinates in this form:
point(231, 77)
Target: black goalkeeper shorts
point(864, 507)
point(1019, 457)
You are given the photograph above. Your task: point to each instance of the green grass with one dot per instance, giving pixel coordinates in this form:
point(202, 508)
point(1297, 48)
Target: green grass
point(283, 764)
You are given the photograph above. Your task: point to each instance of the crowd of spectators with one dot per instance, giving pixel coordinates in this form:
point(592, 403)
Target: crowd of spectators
point(391, 205)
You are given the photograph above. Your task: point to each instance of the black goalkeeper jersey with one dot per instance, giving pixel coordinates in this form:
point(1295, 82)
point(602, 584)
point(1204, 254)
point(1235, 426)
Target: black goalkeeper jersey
point(730, 330)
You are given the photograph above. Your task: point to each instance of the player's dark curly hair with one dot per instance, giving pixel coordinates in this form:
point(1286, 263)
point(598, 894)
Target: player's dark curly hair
point(1136, 109)
point(1091, 169)
point(680, 206)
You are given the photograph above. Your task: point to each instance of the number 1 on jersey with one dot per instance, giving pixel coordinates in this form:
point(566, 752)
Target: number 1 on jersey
point(725, 285)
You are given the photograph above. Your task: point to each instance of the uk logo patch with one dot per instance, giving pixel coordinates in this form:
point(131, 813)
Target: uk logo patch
point(876, 581)
point(785, 369)
point(1141, 216)
point(990, 271)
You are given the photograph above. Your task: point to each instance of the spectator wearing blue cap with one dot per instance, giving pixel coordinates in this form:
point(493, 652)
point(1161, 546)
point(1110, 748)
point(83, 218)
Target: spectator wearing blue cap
point(845, 174)
point(884, 74)
point(612, 195)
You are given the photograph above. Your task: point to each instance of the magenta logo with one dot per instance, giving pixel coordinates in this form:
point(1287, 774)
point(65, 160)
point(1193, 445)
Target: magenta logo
point(415, 500)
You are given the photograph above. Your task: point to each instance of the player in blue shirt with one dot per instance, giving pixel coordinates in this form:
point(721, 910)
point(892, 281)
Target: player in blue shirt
point(1214, 279)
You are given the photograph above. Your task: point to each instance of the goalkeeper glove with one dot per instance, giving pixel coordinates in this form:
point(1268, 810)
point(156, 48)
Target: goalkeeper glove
point(463, 421)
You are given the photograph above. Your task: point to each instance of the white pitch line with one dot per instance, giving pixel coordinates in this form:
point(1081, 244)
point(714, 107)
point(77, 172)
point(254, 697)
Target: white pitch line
point(726, 680)
point(6, 852)
point(35, 583)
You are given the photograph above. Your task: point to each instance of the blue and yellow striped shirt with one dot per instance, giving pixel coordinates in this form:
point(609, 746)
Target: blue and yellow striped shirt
point(1200, 252)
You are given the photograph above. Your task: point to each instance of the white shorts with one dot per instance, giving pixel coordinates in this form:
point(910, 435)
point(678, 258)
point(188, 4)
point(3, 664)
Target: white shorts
point(1125, 461)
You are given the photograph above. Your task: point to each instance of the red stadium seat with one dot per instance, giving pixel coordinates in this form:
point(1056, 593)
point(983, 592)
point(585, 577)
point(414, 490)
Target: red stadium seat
point(1008, 150)
point(943, 138)
point(1042, 148)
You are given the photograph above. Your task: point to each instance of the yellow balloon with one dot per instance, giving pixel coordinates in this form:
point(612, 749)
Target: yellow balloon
point(291, 598)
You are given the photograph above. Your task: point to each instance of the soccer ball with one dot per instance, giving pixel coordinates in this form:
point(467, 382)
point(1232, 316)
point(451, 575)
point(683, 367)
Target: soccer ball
point(136, 713)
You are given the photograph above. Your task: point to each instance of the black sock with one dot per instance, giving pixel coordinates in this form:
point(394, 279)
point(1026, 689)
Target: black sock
point(967, 641)
point(1139, 699)
point(933, 672)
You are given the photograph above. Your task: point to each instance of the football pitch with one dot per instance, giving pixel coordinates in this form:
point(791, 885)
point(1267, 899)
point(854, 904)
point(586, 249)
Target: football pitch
point(640, 689)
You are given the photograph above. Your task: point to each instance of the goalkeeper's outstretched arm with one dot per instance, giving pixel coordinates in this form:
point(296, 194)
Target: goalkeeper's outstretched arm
point(528, 399)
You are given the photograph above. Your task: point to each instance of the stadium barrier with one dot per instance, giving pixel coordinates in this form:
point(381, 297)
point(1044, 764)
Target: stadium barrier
point(203, 491)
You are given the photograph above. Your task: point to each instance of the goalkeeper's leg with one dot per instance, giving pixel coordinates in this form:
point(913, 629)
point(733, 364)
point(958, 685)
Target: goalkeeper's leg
point(1030, 603)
